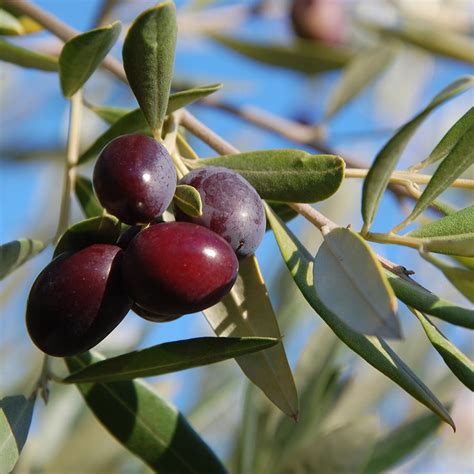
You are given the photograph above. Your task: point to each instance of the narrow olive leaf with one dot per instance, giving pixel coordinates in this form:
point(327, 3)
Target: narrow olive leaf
point(461, 278)
point(466, 262)
point(9, 24)
point(184, 148)
point(283, 211)
point(457, 161)
point(96, 230)
point(384, 164)
point(15, 418)
point(427, 302)
point(170, 357)
point(461, 222)
point(23, 57)
point(176, 101)
point(247, 311)
point(460, 244)
point(302, 56)
point(448, 142)
point(82, 55)
point(432, 39)
point(85, 194)
point(148, 59)
point(16, 253)
point(461, 366)
point(374, 350)
point(133, 122)
point(401, 442)
point(146, 424)
point(286, 175)
point(349, 280)
point(188, 200)
point(345, 449)
point(357, 75)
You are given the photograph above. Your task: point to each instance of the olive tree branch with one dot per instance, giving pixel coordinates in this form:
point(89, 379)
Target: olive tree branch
point(72, 155)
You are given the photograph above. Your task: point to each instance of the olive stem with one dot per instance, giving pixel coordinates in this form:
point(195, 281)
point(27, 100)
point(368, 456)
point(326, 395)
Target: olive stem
point(41, 384)
point(72, 155)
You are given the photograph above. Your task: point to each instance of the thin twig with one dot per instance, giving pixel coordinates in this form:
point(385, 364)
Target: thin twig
point(72, 155)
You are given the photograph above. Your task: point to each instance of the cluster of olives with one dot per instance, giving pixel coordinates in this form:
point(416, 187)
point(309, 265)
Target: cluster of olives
point(161, 270)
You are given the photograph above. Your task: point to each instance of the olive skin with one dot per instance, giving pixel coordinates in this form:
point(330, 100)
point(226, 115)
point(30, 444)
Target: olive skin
point(230, 207)
point(135, 179)
point(178, 268)
point(77, 300)
point(154, 317)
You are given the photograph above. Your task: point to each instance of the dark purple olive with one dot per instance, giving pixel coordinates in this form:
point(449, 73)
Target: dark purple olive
point(77, 300)
point(135, 179)
point(154, 317)
point(178, 268)
point(231, 208)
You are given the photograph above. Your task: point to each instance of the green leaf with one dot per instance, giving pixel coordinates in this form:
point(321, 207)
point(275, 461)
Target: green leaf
point(148, 59)
point(432, 39)
point(87, 199)
point(427, 302)
point(461, 222)
point(460, 365)
point(357, 75)
point(146, 424)
point(460, 244)
point(449, 141)
point(133, 122)
point(15, 418)
point(170, 357)
point(188, 200)
point(82, 54)
point(345, 449)
point(460, 278)
point(374, 350)
point(349, 280)
point(379, 174)
point(399, 443)
point(286, 175)
point(467, 262)
point(283, 211)
point(458, 160)
point(307, 57)
point(23, 57)
point(9, 24)
point(96, 230)
point(16, 253)
point(248, 311)
point(176, 101)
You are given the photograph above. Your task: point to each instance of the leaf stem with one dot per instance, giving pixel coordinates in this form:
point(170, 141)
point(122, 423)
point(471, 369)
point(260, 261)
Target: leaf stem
point(72, 155)
point(394, 239)
point(401, 177)
point(41, 383)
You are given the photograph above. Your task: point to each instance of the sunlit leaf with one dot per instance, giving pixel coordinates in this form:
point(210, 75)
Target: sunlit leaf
point(399, 443)
point(357, 75)
point(286, 175)
point(433, 39)
point(303, 56)
point(23, 57)
point(16, 253)
point(379, 174)
point(247, 311)
point(170, 357)
point(146, 424)
point(349, 280)
point(374, 350)
point(460, 365)
point(458, 160)
point(188, 200)
point(86, 197)
point(449, 141)
point(15, 419)
point(461, 278)
point(82, 54)
point(96, 230)
point(345, 449)
point(148, 59)
point(9, 24)
point(427, 302)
